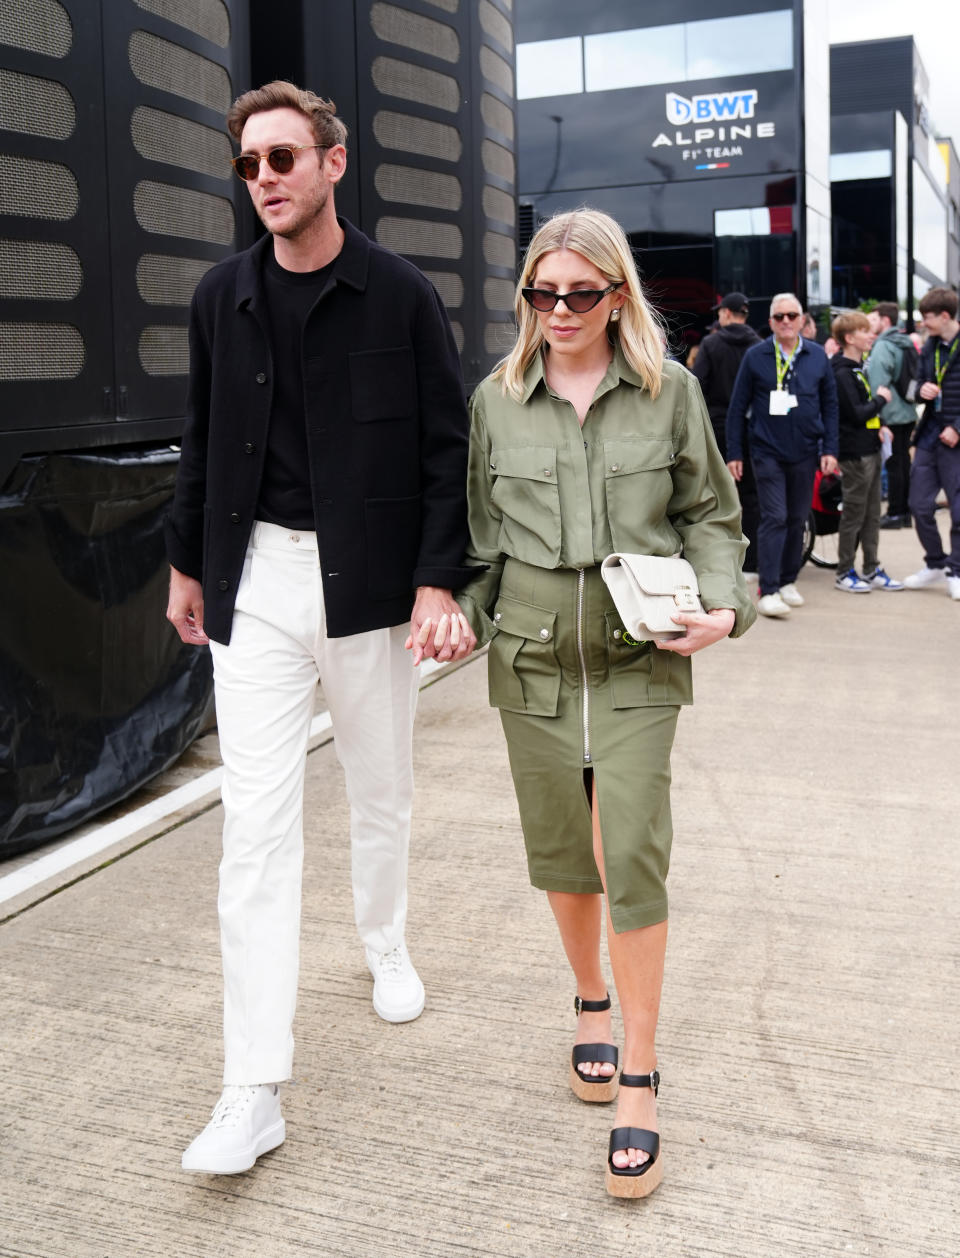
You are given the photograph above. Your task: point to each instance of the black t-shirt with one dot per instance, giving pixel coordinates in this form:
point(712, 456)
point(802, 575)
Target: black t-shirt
point(285, 497)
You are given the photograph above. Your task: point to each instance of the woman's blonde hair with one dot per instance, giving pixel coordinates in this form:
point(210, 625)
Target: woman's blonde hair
point(601, 240)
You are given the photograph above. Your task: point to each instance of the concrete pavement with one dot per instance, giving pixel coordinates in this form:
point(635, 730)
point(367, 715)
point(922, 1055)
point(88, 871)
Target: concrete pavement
point(808, 1033)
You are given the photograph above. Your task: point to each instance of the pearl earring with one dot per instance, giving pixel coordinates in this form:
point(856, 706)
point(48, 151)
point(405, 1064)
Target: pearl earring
point(615, 316)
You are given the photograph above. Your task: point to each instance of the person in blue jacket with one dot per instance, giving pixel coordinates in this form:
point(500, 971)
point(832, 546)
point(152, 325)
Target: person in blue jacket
point(786, 386)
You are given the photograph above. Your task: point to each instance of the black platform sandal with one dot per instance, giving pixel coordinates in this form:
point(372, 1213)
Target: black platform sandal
point(593, 1087)
point(635, 1181)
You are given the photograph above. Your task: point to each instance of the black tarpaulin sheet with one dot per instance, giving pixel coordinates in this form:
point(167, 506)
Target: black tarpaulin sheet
point(97, 692)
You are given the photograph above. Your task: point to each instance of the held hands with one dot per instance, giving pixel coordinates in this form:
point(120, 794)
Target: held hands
point(703, 629)
point(929, 390)
point(185, 608)
point(438, 628)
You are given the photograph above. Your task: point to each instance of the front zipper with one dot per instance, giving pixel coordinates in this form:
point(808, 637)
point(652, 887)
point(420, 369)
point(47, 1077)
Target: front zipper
point(583, 668)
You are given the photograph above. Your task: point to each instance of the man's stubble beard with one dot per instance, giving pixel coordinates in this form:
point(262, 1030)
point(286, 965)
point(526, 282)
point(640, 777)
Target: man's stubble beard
point(301, 227)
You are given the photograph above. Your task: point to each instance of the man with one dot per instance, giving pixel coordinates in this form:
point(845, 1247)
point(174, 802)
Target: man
point(936, 460)
point(716, 368)
point(320, 503)
point(787, 385)
point(883, 371)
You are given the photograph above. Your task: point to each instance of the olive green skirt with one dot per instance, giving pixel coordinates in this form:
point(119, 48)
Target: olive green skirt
point(576, 695)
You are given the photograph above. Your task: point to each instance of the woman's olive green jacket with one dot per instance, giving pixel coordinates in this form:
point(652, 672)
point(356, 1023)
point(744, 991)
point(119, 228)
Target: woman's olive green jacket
point(642, 475)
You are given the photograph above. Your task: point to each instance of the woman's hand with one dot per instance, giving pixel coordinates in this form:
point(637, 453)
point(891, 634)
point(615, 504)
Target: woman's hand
point(703, 629)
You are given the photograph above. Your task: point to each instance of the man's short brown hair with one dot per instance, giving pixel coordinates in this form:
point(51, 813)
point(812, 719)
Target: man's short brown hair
point(846, 324)
point(328, 129)
point(888, 310)
point(939, 301)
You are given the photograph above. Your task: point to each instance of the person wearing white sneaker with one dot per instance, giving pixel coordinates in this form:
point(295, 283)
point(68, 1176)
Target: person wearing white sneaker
point(791, 595)
point(852, 583)
point(318, 527)
point(936, 462)
point(773, 605)
point(245, 1124)
point(880, 580)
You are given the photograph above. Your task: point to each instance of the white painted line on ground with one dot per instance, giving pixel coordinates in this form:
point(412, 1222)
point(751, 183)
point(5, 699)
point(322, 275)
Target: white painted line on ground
point(99, 840)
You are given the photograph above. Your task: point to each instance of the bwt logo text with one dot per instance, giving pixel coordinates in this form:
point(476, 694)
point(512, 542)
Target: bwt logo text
point(713, 107)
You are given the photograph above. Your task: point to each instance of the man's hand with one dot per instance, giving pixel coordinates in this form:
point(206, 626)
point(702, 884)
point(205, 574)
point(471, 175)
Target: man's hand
point(884, 392)
point(703, 629)
point(885, 433)
point(736, 468)
point(929, 390)
point(949, 436)
point(438, 628)
point(185, 608)
point(827, 464)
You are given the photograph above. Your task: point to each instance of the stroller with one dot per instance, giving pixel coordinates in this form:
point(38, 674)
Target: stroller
point(823, 523)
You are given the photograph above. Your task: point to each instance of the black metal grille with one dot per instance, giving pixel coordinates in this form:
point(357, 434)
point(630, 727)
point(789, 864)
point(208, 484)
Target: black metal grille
point(35, 106)
point(164, 280)
point(37, 270)
point(164, 350)
point(422, 34)
point(499, 205)
point(497, 70)
point(410, 186)
point(36, 26)
point(208, 18)
point(170, 210)
point(163, 137)
point(411, 82)
point(499, 250)
point(498, 161)
point(33, 189)
point(159, 63)
point(420, 237)
point(408, 134)
point(449, 285)
point(40, 351)
point(497, 115)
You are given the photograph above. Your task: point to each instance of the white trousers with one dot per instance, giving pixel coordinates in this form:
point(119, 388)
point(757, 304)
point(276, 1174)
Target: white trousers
point(265, 684)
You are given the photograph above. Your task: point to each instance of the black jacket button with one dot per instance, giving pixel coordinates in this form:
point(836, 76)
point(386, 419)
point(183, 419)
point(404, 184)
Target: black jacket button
point(223, 585)
point(249, 448)
point(234, 517)
point(261, 377)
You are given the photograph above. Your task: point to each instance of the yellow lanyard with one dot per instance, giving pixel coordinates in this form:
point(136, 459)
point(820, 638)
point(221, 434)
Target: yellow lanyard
point(783, 363)
point(942, 371)
point(874, 421)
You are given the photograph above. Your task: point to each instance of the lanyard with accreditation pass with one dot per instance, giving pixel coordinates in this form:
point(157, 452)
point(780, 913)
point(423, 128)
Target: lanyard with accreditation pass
point(782, 402)
point(939, 371)
point(875, 421)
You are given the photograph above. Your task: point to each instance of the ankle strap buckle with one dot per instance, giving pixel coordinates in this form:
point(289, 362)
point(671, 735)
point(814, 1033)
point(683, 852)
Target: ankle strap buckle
point(591, 1006)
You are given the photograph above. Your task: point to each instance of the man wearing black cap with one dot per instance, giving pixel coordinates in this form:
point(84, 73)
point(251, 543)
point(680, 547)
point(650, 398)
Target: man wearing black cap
point(716, 368)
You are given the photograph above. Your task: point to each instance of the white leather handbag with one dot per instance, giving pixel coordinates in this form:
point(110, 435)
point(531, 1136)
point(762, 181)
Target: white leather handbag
point(648, 590)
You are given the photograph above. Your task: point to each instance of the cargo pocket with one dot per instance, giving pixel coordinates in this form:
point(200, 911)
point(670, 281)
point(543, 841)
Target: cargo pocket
point(523, 673)
point(526, 495)
point(630, 663)
point(638, 475)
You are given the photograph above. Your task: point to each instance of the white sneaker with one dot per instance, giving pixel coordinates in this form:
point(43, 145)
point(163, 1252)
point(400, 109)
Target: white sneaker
point(398, 994)
point(772, 605)
point(791, 595)
point(953, 585)
point(852, 582)
point(926, 576)
point(246, 1122)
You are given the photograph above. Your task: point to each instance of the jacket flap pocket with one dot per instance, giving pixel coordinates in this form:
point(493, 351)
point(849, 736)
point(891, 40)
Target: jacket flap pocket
point(622, 458)
point(526, 462)
point(524, 620)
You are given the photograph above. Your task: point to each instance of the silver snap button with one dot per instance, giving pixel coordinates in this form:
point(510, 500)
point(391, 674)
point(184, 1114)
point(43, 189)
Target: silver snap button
point(546, 471)
point(498, 616)
point(294, 537)
point(616, 633)
point(544, 633)
point(615, 467)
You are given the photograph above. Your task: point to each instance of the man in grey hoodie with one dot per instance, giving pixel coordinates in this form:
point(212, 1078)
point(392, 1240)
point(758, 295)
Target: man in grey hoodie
point(883, 371)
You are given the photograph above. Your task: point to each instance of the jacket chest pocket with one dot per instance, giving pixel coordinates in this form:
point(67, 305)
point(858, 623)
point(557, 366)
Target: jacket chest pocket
point(522, 670)
point(638, 476)
point(526, 494)
point(383, 384)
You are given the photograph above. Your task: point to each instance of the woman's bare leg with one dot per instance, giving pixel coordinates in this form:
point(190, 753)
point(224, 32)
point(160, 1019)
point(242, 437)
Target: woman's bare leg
point(578, 917)
point(636, 957)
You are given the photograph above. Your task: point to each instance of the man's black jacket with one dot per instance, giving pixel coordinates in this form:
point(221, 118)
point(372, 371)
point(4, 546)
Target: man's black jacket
point(716, 367)
point(856, 408)
point(387, 434)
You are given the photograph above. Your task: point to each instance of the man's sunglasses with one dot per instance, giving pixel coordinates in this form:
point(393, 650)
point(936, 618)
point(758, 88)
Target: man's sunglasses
point(579, 301)
point(787, 314)
point(281, 160)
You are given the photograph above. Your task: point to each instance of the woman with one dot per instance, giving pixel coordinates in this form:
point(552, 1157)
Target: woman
point(585, 441)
